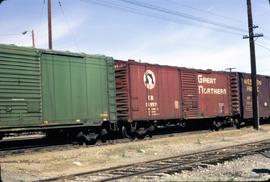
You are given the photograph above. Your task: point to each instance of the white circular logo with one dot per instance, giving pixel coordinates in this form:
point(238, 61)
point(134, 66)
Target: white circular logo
point(149, 79)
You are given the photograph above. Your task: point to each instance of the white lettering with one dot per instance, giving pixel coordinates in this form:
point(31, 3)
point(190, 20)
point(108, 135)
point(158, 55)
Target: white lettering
point(212, 91)
point(207, 80)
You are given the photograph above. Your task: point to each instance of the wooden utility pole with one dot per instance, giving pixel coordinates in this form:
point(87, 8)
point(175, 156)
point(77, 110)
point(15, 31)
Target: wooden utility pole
point(33, 38)
point(32, 34)
point(251, 36)
point(50, 24)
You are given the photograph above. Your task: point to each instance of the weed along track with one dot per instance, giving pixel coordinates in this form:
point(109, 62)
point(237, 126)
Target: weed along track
point(150, 169)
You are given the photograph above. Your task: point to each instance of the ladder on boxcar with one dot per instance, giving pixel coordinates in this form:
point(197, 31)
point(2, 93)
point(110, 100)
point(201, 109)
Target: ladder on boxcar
point(235, 100)
point(122, 91)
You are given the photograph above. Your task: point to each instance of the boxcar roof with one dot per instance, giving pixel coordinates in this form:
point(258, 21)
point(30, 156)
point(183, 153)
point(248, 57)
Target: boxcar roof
point(47, 51)
point(133, 62)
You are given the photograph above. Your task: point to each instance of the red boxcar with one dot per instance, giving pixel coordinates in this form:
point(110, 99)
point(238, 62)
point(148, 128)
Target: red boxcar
point(154, 92)
point(147, 92)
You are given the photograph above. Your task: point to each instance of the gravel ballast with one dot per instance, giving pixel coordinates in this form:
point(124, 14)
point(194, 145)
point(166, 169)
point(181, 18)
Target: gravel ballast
point(248, 168)
point(35, 166)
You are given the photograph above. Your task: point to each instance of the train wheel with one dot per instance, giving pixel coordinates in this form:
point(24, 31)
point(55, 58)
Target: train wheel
point(103, 135)
point(141, 136)
point(91, 141)
point(216, 125)
point(88, 139)
point(91, 138)
point(125, 133)
point(237, 124)
point(141, 133)
point(151, 129)
point(80, 138)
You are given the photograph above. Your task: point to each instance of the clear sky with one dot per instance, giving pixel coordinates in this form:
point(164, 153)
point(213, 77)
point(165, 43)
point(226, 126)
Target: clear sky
point(188, 33)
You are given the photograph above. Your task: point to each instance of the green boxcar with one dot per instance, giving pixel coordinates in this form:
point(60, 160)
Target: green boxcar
point(41, 89)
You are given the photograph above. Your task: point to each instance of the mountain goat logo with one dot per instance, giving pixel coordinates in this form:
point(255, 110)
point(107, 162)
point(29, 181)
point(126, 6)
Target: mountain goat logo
point(149, 79)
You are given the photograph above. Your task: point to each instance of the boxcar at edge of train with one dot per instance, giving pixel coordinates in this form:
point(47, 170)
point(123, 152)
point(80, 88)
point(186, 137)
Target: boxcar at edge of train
point(59, 93)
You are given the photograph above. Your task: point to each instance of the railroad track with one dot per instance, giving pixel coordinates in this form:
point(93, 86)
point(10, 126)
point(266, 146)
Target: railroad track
point(31, 145)
point(154, 168)
point(39, 144)
point(24, 145)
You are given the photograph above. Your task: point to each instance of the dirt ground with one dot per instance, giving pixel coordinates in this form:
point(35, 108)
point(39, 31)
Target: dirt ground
point(29, 167)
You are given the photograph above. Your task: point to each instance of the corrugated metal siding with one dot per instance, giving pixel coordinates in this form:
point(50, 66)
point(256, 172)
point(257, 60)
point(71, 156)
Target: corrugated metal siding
point(20, 87)
point(122, 91)
point(190, 94)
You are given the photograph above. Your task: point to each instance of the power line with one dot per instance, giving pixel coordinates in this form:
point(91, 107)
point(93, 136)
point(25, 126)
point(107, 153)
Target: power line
point(68, 25)
point(205, 11)
point(173, 12)
point(266, 48)
point(38, 26)
point(117, 6)
point(266, 37)
point(41, 13)
point(129, 10)
point(5, 35)
point(264, 42)
point(158, 16)
point(182, 15)
point(263, 2)
point(169, 12)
